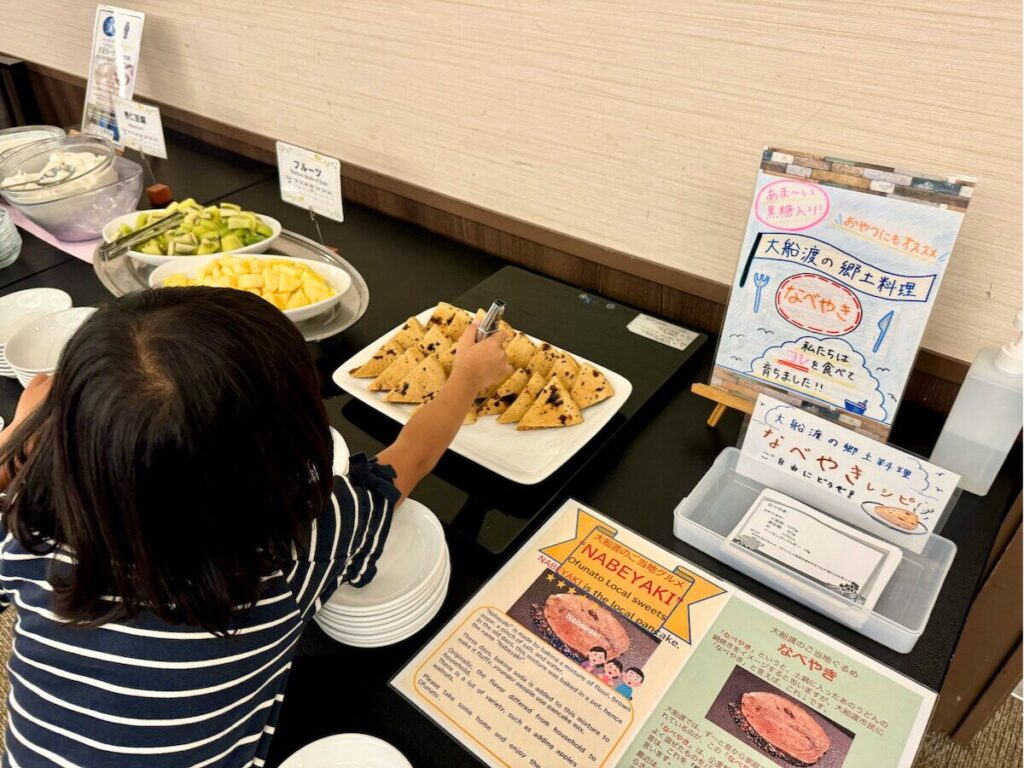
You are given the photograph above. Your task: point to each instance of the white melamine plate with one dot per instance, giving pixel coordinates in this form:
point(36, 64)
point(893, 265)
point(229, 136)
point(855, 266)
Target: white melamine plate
point(394, 621)
point(348, 750)
point(527, 456)
point(414, 551)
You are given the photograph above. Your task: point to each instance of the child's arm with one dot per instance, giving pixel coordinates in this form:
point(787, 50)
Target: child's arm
point(430, 431)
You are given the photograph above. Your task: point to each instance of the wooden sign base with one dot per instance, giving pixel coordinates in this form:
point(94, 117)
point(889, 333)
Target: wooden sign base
point(722, 399)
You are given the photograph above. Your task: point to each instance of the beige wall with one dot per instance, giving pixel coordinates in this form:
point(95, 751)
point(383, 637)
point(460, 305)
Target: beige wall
point(636, 126)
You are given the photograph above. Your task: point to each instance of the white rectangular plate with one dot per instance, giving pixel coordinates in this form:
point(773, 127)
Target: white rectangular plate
point(527, 456)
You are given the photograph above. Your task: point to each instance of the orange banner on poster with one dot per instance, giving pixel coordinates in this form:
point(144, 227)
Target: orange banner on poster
point(637, 587)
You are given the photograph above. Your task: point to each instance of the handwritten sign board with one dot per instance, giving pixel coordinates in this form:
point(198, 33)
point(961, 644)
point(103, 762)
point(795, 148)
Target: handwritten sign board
point(310, 180)
point(838, 273)
point(594, 647)
point(877, 487)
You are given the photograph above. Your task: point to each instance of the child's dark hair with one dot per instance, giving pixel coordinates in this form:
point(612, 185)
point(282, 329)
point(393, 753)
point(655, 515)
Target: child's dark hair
point(614, 663)
point(599, 649)
point(638, 671)
point(180, 455)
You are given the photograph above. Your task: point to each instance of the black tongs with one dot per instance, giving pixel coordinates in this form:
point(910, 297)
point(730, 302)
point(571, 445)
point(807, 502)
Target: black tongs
point(492, 320)
point(127, 243)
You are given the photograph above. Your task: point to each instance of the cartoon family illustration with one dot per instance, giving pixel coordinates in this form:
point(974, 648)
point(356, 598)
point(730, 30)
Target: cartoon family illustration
point(611, 672)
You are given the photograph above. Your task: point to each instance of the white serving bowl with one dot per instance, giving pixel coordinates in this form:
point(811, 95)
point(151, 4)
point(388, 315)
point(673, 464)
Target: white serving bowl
point(111, 233)
point(36, 346)
point(336, 277)
point(16, 309)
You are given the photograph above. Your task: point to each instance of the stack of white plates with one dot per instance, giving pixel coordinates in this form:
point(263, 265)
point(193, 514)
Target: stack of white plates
point(17, 308)
point(36, 345)
point(348, 750)
point(407, 592)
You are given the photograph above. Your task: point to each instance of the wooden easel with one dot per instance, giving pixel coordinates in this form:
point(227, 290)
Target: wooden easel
point(722, 399)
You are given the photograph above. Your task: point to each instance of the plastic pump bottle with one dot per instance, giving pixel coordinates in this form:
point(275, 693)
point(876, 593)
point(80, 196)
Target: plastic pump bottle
point(986, 416)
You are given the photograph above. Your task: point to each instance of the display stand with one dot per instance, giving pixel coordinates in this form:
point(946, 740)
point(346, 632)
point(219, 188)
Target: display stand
point(723, 400)
point(706, 517)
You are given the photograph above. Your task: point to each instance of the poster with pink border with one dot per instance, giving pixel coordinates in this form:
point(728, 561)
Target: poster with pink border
point(838, 272)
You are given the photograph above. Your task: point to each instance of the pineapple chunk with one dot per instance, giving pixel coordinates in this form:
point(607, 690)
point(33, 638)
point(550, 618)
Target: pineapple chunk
point(250, 281)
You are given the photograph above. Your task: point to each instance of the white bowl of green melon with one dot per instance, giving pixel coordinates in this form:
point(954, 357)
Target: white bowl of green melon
point(113, 230)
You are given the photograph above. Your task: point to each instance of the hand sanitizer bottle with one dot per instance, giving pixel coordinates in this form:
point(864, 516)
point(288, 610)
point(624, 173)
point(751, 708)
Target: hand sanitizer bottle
point(986, 416)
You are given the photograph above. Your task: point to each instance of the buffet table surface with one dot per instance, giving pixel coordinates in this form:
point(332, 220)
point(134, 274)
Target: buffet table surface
point(663, 449)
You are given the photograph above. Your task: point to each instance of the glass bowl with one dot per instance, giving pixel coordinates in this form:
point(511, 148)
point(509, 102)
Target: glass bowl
point(17, 137)
point(81, 215)
point(59, 162)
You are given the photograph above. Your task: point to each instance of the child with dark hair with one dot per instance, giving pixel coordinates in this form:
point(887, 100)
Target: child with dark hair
point(172, 523)
point(612, 671)
point(631, 678)
point(595, 659)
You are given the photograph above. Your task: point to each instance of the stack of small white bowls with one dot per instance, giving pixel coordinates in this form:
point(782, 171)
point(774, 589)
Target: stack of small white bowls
point(407, 592)
point(348, 750)
point(20, 307)
point(36, 345)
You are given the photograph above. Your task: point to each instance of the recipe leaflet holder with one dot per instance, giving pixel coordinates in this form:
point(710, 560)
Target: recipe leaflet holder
point(706, 517)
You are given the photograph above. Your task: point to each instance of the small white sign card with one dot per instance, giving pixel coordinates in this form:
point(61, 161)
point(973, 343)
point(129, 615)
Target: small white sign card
point(140, 127)
point(664, 333)
point(113, 67)
point(310, 180)
point(794, 537)
point(876, 487)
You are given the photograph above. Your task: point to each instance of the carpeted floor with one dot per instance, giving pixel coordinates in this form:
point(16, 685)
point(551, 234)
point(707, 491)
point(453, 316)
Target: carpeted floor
point(998, 745)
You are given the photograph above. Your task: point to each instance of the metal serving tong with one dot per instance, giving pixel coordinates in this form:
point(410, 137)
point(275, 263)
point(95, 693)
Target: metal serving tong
point(122, 245)
point(492, 320)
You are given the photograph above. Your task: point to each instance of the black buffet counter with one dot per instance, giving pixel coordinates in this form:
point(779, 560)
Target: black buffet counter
point(636, 471)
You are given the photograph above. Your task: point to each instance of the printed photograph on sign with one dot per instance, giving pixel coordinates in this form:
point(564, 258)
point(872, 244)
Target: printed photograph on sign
point(760, 715)
point(839, 268)
point(590, 633)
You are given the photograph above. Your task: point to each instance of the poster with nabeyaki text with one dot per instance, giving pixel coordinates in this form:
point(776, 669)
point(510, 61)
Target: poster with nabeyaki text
point(839, 269)
point(594, 647)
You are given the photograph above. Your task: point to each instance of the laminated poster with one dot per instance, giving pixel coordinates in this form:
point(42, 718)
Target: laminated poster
point(113, 66)
point(839, 269)
point(594, 647)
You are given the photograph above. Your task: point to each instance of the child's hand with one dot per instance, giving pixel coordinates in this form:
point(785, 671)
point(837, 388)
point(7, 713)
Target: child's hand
point(484, 363)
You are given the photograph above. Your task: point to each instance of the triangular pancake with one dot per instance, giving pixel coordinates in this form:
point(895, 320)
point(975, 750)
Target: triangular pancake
point(566, 369)
point(544, 360)
point(591, 387)
point(409, 335)
point(447, 358)
point(395, 372)
point(506, 394)
point(554, 407)
point(442, 316)
point(520, 351)
point(378, 363)
point(458, 324)
point(522, 403)
point(434, 341)
point(425, 379)
point(469, 418)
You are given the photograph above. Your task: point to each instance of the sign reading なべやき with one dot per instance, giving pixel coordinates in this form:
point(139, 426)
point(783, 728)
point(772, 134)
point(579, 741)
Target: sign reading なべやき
point(839, 269)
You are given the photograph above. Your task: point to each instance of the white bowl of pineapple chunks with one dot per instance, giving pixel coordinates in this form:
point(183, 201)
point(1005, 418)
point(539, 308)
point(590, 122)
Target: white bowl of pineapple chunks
point(205, 230)
point(301, 288)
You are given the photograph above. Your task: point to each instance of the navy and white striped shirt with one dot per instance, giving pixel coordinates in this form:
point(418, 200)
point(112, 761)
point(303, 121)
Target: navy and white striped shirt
point(147, 693)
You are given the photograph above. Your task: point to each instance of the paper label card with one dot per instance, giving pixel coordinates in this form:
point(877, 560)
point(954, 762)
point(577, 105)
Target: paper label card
point(140, 127)
point(113, 67)
point(780, 530)
point(310, 180)
point(838, 272)
point(594, 647)
point(664, 333)
point(876, 487)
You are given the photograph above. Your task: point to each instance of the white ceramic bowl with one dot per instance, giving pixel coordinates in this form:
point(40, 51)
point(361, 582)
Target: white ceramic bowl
point(347, 750)
point(110, 234)
point(36, 346)
point(336, 277)
point(18, 308)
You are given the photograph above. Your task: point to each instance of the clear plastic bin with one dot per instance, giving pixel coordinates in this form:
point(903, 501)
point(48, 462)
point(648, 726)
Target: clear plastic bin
point(711, 511)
